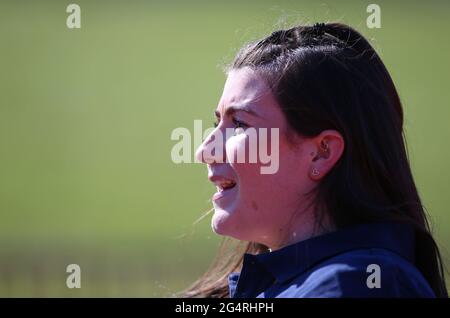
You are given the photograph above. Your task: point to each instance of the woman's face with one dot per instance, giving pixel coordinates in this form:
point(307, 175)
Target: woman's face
point(248, 204)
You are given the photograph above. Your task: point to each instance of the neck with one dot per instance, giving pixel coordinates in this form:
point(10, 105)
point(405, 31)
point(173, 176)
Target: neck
point(302, 228)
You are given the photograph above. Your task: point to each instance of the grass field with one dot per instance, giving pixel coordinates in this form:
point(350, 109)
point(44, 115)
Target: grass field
point(86, 117)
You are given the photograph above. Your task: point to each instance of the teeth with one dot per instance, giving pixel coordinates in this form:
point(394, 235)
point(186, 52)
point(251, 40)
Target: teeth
point(226, 184)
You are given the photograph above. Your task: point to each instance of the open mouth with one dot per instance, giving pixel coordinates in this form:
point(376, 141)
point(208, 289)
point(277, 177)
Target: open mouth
point(225, 185)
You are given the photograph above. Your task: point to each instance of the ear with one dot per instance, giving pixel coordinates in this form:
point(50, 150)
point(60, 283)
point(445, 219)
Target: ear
point(329, 146)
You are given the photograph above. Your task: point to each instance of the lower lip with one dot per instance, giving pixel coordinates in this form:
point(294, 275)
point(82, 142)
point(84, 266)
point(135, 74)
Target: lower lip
point(221, 194)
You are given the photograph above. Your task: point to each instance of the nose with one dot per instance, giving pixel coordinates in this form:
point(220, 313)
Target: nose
point(212, 150)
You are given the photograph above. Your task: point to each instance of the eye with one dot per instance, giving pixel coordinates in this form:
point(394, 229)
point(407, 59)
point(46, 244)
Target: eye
point(239, 126)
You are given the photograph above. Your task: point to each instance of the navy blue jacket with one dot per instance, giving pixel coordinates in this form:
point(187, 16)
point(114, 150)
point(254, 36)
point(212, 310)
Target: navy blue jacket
point(371, 260)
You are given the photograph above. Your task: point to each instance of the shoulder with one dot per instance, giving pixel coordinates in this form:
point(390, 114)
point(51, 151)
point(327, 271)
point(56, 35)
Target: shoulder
point(361, 273)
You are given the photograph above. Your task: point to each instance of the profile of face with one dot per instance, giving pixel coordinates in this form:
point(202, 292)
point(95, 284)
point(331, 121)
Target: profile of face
point(270, 209)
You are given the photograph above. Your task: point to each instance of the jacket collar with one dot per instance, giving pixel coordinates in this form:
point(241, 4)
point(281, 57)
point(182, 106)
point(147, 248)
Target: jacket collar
point(294, 259)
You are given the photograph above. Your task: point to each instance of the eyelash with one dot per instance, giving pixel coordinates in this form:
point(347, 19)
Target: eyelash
point(237, 124)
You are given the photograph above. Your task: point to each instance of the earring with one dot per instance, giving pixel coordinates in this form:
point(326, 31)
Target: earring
point(315, 172)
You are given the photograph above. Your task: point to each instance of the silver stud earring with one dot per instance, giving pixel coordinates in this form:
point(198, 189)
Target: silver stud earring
point(315, 172)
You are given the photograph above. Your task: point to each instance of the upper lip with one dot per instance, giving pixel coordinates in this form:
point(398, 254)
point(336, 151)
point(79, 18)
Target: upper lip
point(221, 181)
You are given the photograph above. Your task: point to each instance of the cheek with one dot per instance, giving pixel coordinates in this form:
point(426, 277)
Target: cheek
point(292, 179)
point(259, 189)
point(257, 194)
point(244, 160)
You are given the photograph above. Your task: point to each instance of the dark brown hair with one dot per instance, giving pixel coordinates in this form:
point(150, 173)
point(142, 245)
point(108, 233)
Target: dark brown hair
point(328, 76)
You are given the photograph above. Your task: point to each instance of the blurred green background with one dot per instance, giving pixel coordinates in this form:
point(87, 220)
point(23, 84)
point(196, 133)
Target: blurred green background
point(86, 115)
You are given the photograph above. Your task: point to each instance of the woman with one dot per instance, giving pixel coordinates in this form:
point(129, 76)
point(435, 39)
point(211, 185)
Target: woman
point(341, 217)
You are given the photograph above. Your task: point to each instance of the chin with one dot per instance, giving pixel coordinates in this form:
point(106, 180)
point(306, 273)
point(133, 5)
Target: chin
point(221, 222)
point(225, 223)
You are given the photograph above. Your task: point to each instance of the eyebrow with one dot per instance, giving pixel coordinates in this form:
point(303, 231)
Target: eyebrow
point(231, 109)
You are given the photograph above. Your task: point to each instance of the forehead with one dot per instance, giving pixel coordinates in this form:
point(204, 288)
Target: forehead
point(245, 86)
